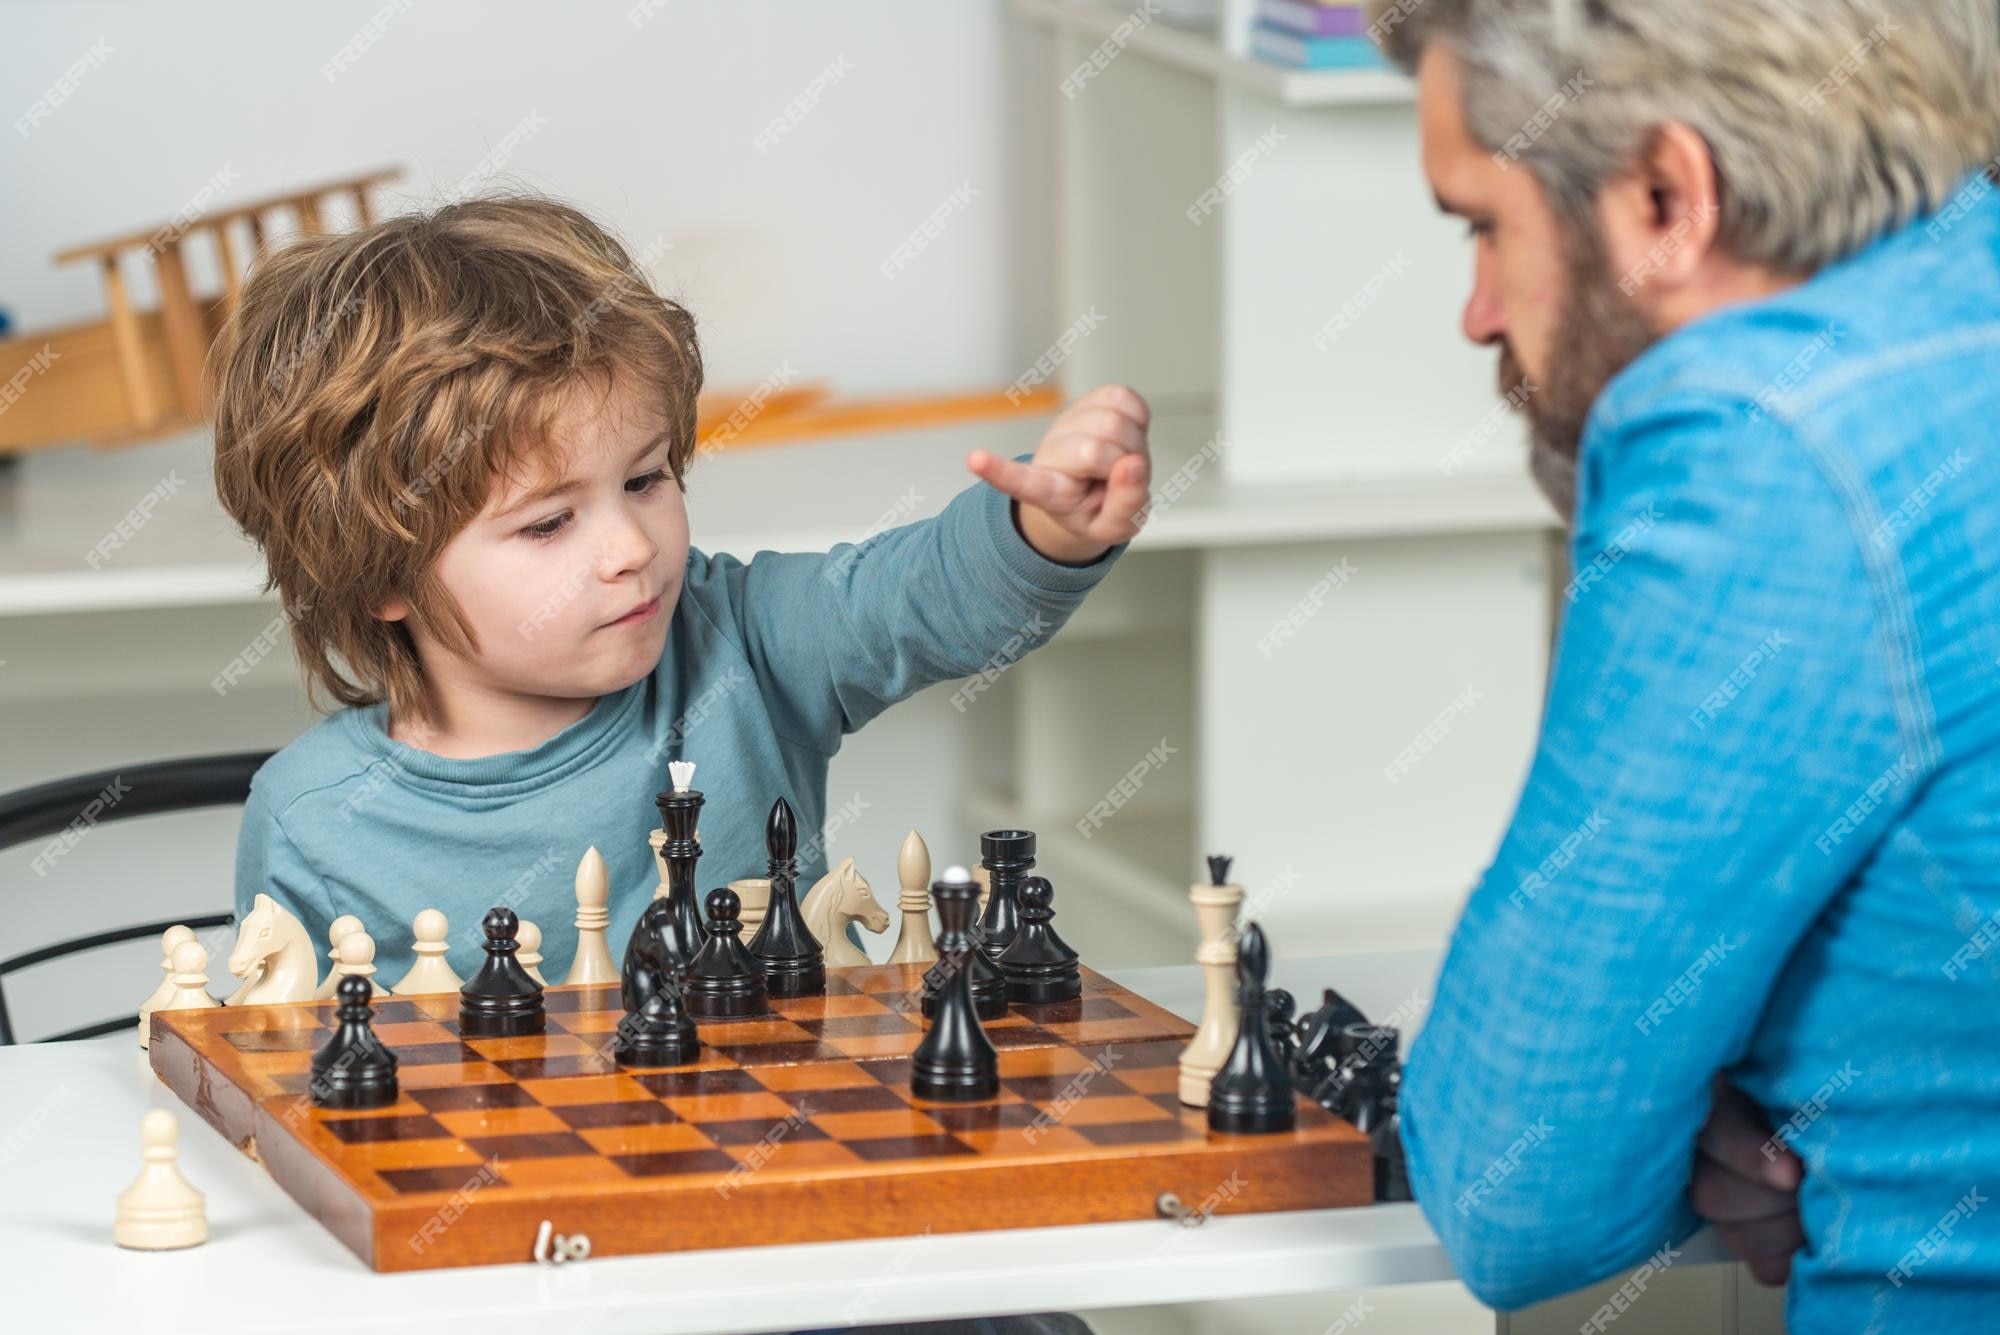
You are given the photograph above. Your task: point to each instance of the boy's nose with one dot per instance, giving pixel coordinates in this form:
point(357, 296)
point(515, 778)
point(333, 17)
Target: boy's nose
point(625, 551)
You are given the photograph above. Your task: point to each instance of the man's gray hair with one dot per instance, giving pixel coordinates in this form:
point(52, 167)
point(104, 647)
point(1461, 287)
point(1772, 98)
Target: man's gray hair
point(1830, 121)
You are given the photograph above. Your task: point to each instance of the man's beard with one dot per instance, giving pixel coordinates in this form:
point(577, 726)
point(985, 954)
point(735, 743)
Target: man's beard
point(1599, 331)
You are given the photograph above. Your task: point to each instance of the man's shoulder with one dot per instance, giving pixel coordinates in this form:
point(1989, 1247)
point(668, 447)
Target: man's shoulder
point(1914, 303)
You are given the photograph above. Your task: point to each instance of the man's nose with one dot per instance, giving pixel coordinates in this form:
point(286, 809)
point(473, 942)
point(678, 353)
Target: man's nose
point(1482, 320)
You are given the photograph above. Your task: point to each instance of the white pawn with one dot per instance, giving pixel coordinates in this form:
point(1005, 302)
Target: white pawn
point(432, 972)
point(913, 872)
point(593, 962)
point(528, 950)
point(342, 925)
point(357, 957)
point(160, 1210)
point(170, 938)
point(190, 978)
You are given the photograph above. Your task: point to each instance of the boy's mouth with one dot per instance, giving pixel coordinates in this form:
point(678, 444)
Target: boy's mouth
point(645, 611)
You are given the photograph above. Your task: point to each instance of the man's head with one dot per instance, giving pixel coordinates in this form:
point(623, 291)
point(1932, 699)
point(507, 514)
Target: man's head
point(1629, 166)
point(460, 439)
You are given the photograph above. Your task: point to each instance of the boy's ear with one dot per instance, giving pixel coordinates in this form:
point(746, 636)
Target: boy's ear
point(393, 609)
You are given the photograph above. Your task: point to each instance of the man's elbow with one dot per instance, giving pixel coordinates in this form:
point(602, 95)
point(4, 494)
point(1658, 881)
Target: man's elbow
point(1521, 1232)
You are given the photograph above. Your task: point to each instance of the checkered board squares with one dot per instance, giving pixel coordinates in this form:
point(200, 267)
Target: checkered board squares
point(793, 1126)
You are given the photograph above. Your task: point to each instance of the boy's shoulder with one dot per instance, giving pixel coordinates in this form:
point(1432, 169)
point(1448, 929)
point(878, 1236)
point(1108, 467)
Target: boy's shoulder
point(326, 757)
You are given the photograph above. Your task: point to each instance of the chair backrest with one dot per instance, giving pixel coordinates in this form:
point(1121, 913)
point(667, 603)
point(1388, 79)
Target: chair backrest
point(49, 810)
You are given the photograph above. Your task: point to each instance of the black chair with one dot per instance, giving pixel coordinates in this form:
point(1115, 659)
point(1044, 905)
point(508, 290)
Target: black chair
point(48, 809)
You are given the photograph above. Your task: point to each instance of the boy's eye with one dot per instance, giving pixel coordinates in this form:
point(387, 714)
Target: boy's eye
point(645, 482)
point(548, 528)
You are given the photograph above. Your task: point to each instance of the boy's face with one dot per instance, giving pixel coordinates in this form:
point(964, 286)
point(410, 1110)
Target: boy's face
point(569, 580)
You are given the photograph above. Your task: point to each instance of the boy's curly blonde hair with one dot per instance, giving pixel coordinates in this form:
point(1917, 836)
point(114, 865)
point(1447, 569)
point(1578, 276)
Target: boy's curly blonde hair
point(374, 387)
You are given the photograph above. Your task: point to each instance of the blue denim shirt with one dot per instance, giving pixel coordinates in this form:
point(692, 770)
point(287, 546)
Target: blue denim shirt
point(1761, 831)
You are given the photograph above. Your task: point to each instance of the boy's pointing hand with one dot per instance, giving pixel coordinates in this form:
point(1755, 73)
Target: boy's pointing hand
point(1085, 489)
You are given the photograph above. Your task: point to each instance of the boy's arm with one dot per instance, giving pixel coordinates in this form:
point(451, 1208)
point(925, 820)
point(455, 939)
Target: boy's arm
point(834, 639)
point(1730, 681)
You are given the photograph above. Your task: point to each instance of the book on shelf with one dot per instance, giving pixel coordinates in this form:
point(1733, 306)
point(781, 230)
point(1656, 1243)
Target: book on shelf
point(1298, 51)
point(1312, 19)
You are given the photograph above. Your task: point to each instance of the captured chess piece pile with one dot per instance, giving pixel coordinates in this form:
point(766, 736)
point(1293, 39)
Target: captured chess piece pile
point(1249, 1055)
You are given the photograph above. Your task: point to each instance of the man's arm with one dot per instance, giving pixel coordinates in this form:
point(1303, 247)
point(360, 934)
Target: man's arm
point(1735, 672)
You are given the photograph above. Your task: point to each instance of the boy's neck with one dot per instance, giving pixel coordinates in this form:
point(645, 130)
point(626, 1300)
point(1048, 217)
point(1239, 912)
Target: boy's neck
point(469, 722)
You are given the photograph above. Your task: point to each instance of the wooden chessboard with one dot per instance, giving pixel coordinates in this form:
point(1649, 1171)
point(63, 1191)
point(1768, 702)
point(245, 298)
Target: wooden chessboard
point(793, 1127)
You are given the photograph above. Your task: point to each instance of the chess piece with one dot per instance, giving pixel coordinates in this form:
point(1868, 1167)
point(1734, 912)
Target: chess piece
point(432, 972)
point(353, 1069)
point(725, 979)
point(1372, 1057)
point(661, 1032)
point(838, 898)
point(1319, 1034)
point(340, 927)
point(1252, 1093)
point(1392, 1170)
point(956, 1061)
point(755, 892)
point(190, 979)
point(1007, 856)
point(357, 959)
point(593, 962)
point(170, 938)
point(989, 985)
point(1281, 1006)
point(530, 937)
point(916, 945)
point(274, 957)
point(1039, 965)
point(1215, 906)
point(501, 1001)
point(161, 1210)
point(794, 960)
point(984, 881)
point(670, 927)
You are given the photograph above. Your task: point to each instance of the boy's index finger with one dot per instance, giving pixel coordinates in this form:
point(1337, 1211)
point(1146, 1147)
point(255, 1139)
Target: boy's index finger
point(1025, 483)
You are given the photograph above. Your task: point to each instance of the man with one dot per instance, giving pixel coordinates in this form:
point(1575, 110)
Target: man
point(1746, 261)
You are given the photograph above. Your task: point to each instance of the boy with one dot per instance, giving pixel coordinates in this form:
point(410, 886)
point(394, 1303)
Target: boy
point(461, 440)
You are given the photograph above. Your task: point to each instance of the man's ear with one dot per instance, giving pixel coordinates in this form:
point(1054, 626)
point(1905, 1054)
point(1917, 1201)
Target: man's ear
point(393, 609)
point(1660, 218)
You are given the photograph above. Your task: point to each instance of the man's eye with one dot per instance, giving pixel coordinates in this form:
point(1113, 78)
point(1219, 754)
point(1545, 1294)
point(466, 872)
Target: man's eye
point(1476, 230)
point(645, 482)
point(548, 528)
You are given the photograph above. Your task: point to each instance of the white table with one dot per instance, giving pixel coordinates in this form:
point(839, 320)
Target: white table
point(69, 1121)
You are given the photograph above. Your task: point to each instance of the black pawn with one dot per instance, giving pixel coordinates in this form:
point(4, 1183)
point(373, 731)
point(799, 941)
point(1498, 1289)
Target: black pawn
point(989, 985)
point(956, 1062)
point(1039, 965)
point(501, 1000)
point(794, 959)
point(1252, 1093)
point(661, 1033)
point(1008, 856)
point(352, 1069)
point(725, 979)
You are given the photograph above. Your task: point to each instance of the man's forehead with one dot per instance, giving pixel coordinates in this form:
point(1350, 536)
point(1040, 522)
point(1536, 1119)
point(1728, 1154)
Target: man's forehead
point(1450, 157)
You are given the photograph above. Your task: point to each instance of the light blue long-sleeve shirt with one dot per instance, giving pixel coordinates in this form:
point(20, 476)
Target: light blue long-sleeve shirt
point(768, 665)
point(1761, 831)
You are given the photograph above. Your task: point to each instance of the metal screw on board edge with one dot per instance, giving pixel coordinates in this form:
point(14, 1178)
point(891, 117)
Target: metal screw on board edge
point(552, 1248)
point(1170, 1207)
